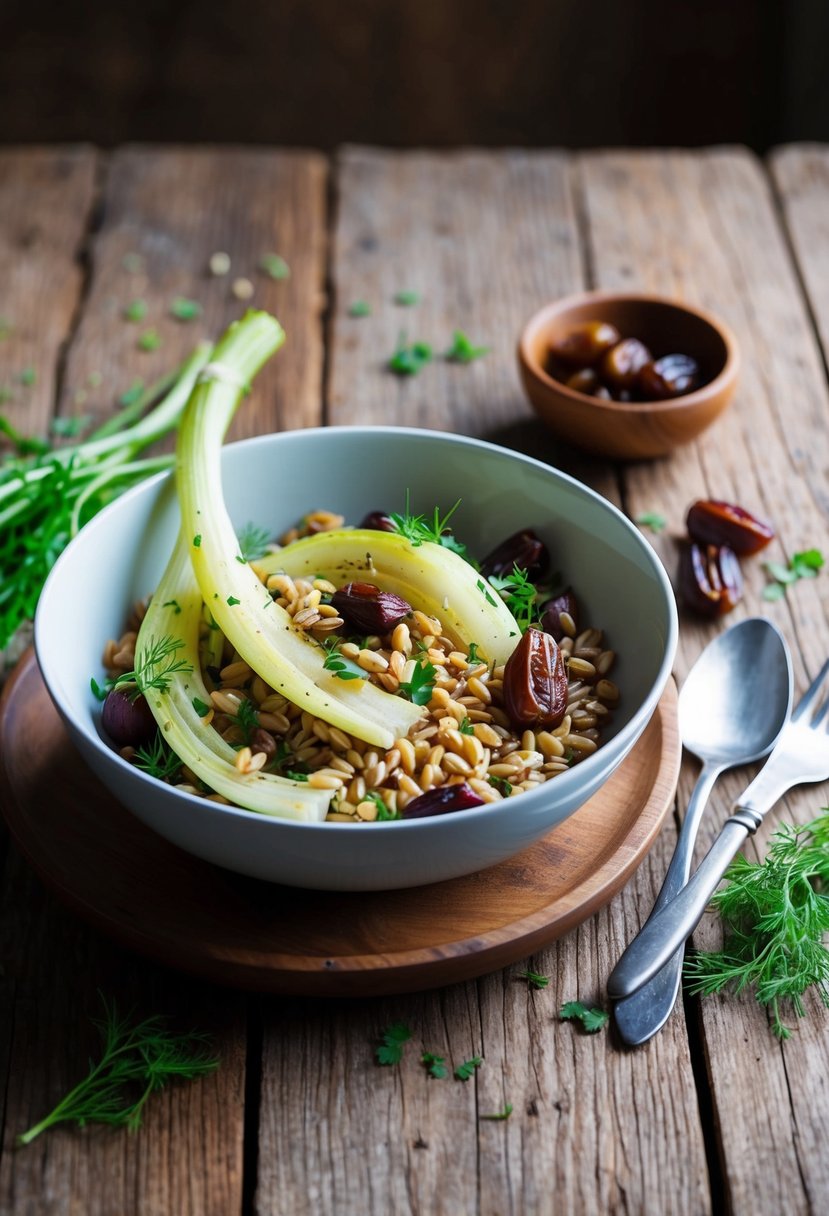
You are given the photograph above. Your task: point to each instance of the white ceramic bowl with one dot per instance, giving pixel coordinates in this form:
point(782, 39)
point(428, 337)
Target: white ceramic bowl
point(271, 481)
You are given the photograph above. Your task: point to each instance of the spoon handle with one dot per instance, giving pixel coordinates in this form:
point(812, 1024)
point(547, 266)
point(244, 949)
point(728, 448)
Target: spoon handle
point(639, 1016)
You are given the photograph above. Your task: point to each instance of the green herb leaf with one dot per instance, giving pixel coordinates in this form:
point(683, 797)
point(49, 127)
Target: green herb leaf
point(466, 727)
point(157, 759)
point(418, 528)
point(253, 542)
point(652, 520)
point(420, 687)
point(773, 591)
point(591, 1019)
point(409, 360)
point(534, 979)
point(406, 299)
point(232, 601)
point(137, 1058)
point(519, 595)
point(342, 667)
point(28, 377)
point(185, 310)
point(201, 708)
point(149, 340)
point(100, 693)
point(274, 266)
point(472, 654)
point(359, 308)
point(197, 541)
point(499, 1115)
point(69, 428)
point(436, 1065)
point(805, 564)
point(482, 587)
point(393, 1041)
point(246, 718)
point(501, 785)
point(463, 350)
point(466, 1070)
point(157, 664)
point(132, 394)
point(384, 815)
point(174, 604)
point(136, 310)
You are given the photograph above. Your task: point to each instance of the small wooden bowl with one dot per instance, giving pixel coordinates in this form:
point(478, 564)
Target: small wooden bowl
point(630, 430)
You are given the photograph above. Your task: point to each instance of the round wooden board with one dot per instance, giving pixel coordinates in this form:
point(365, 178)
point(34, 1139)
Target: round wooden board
point(180, 911)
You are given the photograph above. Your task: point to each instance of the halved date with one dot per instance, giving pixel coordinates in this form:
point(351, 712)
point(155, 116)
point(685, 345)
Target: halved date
point(367, 609)
point(584, 343)
point(535, 682)
point(551, 614)
point(523, 549)
point(712, 522)
point(378, 521)
point(441, 800)
point(710, 579)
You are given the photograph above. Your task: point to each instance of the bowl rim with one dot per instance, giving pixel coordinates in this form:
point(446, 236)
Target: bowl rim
point(627, 734)
point(702, 395)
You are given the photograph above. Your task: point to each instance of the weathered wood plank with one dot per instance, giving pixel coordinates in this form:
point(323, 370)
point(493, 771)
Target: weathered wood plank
point(485, 239)
point(703, 227)
point(800, 175)
point(172, 210)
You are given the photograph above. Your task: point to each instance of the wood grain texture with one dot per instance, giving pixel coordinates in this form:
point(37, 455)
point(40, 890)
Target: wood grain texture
point(173, 210)
point(154, 898)
point(704, 227)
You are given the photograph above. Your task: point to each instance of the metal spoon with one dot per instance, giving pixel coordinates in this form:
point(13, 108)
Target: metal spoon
point(733, 705)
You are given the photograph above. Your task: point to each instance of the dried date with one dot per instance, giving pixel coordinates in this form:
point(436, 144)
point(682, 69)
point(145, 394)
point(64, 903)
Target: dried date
point(367, 609)
point(670, 376)
point(523, 549)
point(378, 521)
point(441, 800)
point(551, 614)
point(711, 582)
point(623, 362)
point(584, 343)
point(128, 720)
point(712, 522)
point(535, 682)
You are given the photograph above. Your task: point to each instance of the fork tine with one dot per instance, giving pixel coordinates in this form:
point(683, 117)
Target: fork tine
point(811, 694)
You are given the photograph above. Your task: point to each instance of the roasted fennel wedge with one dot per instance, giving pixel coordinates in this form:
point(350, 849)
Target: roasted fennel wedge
point(259, 630)
point(431, 578)
point(175, 612)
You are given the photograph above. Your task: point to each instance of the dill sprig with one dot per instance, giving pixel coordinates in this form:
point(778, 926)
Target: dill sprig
point(253, 543)
point(157, 758)
point(137, 1058)
point(776, 916)
point(158, 663)
point(519, 594)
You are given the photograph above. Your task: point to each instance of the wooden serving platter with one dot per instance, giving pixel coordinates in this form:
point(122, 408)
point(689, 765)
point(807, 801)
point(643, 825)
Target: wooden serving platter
point(183, 912)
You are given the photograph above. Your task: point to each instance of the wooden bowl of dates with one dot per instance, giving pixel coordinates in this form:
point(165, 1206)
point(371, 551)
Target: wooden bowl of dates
point(630, 376)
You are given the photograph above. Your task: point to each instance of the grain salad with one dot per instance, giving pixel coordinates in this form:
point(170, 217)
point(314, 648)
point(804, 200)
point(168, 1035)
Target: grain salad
point(468, 747)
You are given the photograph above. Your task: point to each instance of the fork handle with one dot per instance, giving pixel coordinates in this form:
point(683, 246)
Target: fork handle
point(668, 928)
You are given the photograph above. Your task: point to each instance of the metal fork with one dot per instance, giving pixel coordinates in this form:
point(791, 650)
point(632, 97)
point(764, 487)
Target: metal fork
point(800, 755)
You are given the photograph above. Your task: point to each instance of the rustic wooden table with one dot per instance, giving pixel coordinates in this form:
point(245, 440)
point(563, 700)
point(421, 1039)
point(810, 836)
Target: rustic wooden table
point(714, 1113)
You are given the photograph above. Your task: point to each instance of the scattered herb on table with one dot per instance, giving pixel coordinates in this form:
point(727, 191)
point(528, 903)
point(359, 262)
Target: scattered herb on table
point(136, 310)
point(591, 1019)
point(499, 1115)
point(133, 263)
point(776, 915)
point(69, 428)
point(652, 520)
point(137, 1059)
point(463, 350)
point(149, 340)
point(411, 359)
point(407, 299)
point(534, 979)
point(801, 565)
point(467, 1069)
point(185, 310)
point(24, 445)
point(393, 1041)
point(435, 1065)
point(274, 266)
point(27, 377)
point(359, 308)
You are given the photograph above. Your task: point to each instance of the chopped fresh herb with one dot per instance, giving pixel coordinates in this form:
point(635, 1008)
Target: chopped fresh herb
point(23, 445)
point(28, 377)
point(806, 564)
point(295, 775)
point(185, 310)
point(776, 917)
point(133, 263)
point(232, 601)
point(197, 541)
point(138, 1058)
point(274, 266)
point(246, 718)
point(466, 727)
point(136, 310)
point(407, 299)
point(418, 528)
point(652, 520)
point(472, 654)
point(149, 340)
point(463, 350)
point(174, 604)
point(499, 1115)
point(466, 1070)
point(436, 1065)
point(201, 708)
point(157, 664)
point(534, 979)
point(501, 785)
point(420, 687)
point(99, 692)
point(481, 585)
point(409, 360)
point(69, 428)
point(132, 394)
point(591, 1019)
point(253, 543)
point(773, 591)
point(157, 759)
point(393, 1040)
point(519, 595)
point(359, 308)
point(343, 668)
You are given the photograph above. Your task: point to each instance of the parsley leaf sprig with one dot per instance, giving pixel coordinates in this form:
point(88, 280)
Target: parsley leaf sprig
point(591, 1019)
point(435, 1065)
point(393, 1041)
point(776, 916)
point(409, 359)
point(467, 1069)
point(519, 594)
point(342, 667)
point(463, 350)
point(420, 528)
point(137, 1058)
point(806, 564)
point(534, 979)
point(420, 687)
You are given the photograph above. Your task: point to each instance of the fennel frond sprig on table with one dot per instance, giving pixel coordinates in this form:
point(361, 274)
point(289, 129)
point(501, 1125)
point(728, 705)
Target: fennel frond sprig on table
point(137, 1059)
point(776, 918)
